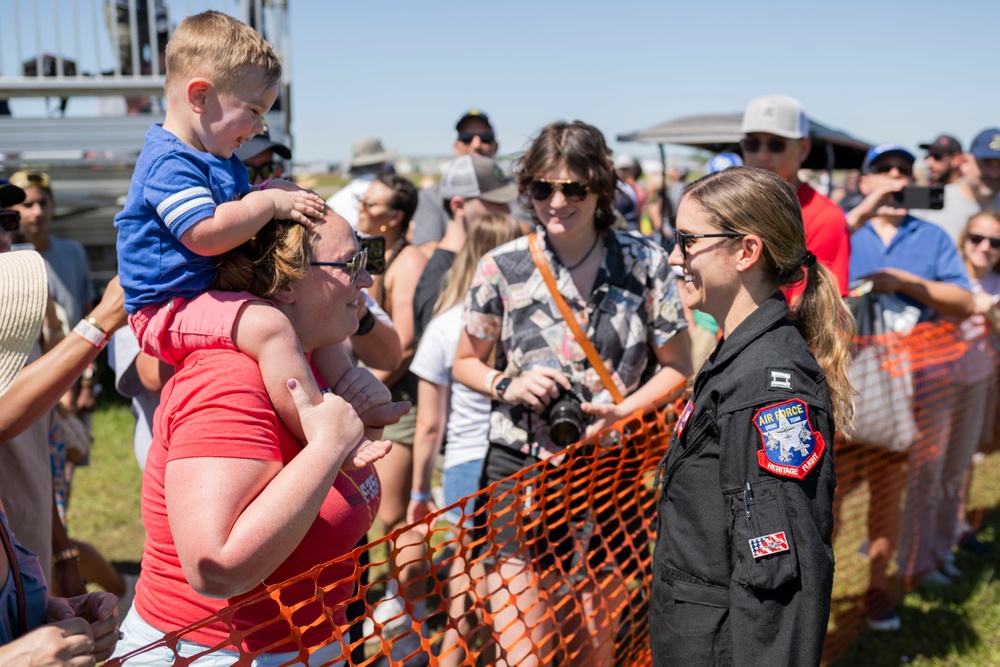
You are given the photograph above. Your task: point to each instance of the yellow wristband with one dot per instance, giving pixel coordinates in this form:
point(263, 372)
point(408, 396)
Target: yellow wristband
point(488, 381)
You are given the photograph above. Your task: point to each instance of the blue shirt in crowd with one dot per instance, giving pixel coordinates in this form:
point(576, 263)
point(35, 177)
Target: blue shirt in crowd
point(920, 247)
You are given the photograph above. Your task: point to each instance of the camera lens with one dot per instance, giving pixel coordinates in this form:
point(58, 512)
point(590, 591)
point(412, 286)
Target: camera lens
point(565, 421)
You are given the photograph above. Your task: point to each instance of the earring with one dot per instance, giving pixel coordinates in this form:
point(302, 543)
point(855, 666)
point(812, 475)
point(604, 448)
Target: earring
point(383, 228)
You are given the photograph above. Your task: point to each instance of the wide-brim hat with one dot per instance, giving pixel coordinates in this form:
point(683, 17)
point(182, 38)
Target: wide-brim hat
point(24, 289)
point(368, 151)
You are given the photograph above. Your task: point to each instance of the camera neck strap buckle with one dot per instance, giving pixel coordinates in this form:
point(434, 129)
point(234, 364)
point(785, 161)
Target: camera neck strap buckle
point(596, 362)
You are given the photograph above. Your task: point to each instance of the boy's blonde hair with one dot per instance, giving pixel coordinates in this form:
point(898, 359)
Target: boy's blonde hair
point(221, 49)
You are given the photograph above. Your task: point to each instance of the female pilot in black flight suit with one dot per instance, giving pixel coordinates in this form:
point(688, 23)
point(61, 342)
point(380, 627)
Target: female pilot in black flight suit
point(743, 566)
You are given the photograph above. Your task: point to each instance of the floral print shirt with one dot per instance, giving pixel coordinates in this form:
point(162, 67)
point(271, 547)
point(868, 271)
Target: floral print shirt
point(633, 309)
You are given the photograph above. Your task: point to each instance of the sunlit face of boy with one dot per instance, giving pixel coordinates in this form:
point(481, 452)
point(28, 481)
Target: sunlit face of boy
point(234, 115)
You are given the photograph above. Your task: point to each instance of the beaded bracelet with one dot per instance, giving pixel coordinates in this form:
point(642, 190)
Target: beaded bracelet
point(72, 553)
point(419, 496)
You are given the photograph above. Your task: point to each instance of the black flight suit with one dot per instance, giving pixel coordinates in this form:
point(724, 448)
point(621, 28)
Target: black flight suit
point(714, 602)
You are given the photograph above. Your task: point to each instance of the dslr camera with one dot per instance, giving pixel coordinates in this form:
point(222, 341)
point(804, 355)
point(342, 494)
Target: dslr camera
point(567, 420)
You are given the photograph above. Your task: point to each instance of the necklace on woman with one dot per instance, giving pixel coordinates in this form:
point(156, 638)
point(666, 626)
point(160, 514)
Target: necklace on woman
point(585, 257)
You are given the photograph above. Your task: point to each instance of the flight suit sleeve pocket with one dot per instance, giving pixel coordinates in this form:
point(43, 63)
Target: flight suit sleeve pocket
point(763, 543)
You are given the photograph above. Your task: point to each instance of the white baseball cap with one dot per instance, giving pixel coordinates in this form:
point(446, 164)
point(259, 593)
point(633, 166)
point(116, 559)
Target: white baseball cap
point(776, 114)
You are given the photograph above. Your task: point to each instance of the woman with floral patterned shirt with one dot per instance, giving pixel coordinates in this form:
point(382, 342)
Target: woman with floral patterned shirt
point(623, 294)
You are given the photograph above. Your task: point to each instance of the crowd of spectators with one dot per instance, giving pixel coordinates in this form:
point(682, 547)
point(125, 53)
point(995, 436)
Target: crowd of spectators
point(455, 324)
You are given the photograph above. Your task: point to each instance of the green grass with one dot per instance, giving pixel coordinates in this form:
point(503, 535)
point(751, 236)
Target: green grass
point(956, 626)
point(104, 508)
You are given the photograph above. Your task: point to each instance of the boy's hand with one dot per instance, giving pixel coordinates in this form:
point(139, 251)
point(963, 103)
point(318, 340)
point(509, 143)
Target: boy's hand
point(296, 205)
point(371, 399)
point(366, 453)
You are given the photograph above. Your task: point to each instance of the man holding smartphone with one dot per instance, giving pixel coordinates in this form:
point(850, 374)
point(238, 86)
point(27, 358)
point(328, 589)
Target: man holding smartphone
point(902, 254)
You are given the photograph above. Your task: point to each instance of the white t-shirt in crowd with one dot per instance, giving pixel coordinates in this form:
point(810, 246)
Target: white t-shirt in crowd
point(468, 411)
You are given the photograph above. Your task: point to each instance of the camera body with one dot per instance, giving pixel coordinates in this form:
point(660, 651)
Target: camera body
point(567, 420)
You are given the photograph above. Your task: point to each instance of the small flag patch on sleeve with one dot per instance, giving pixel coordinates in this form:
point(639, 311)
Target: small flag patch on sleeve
point(768, 544)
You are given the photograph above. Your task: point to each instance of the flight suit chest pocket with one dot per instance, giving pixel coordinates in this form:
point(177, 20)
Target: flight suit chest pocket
point(763, 543)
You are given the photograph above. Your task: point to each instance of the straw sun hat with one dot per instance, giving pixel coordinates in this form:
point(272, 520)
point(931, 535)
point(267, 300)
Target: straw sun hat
point(23, 292)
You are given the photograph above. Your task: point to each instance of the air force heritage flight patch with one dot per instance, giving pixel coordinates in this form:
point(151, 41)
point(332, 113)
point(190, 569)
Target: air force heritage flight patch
point(790, 446)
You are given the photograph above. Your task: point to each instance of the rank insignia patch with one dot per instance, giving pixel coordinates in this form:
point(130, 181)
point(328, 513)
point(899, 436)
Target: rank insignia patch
point(790, 446)
point(766, 545)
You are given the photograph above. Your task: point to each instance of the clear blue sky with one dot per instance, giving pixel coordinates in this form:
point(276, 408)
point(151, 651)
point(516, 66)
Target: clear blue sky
point(405, 71)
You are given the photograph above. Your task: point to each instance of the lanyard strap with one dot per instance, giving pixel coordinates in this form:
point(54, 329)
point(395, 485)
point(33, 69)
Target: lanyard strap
point(567, 314)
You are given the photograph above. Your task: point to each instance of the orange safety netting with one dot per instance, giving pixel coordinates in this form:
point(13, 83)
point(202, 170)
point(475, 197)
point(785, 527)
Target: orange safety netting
point(577, 589)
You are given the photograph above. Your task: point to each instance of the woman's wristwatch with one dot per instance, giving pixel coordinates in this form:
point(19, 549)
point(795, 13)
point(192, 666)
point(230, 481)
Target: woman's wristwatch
point(502, 387)
point(365, 324)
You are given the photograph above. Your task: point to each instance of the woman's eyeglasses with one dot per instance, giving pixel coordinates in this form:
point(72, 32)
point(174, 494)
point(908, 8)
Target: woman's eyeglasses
point(264, 171)
point(683, 239)
point(10, 221)
point(484, 137)
point(369, 205)
point(774, 145)
point(543, 188)
point(974, 239)
point(353, 266)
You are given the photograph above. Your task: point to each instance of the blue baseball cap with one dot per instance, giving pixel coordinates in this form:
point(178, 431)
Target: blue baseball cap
point(724, 161)
point(875, 152)
point(986, 145)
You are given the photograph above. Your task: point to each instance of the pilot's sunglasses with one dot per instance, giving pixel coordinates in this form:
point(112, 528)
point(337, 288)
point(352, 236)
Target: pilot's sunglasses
point(683, 239)
point(264, 171)
point(353, 266)
point(543, 188)
point(484, 137)
point(975, 239)
point(10, 221)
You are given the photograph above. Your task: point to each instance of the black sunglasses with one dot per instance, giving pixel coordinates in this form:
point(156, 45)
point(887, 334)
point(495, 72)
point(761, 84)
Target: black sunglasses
point(264, 171)
point(10, 221)
point(976, 239)
point(886, 167)
point(774, 145)
point(484, 137)
point(682, 239)
point(543, 188)
point(353, 266)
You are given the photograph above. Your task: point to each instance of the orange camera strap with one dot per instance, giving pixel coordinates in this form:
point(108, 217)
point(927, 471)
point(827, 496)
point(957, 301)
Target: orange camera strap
point(538, 255)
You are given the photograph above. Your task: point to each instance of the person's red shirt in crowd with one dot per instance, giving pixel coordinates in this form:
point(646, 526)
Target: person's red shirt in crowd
point(827, 237)
point(216, 405)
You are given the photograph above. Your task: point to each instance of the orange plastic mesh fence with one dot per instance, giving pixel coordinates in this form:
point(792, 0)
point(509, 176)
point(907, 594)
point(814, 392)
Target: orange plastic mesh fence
point(556, 566)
